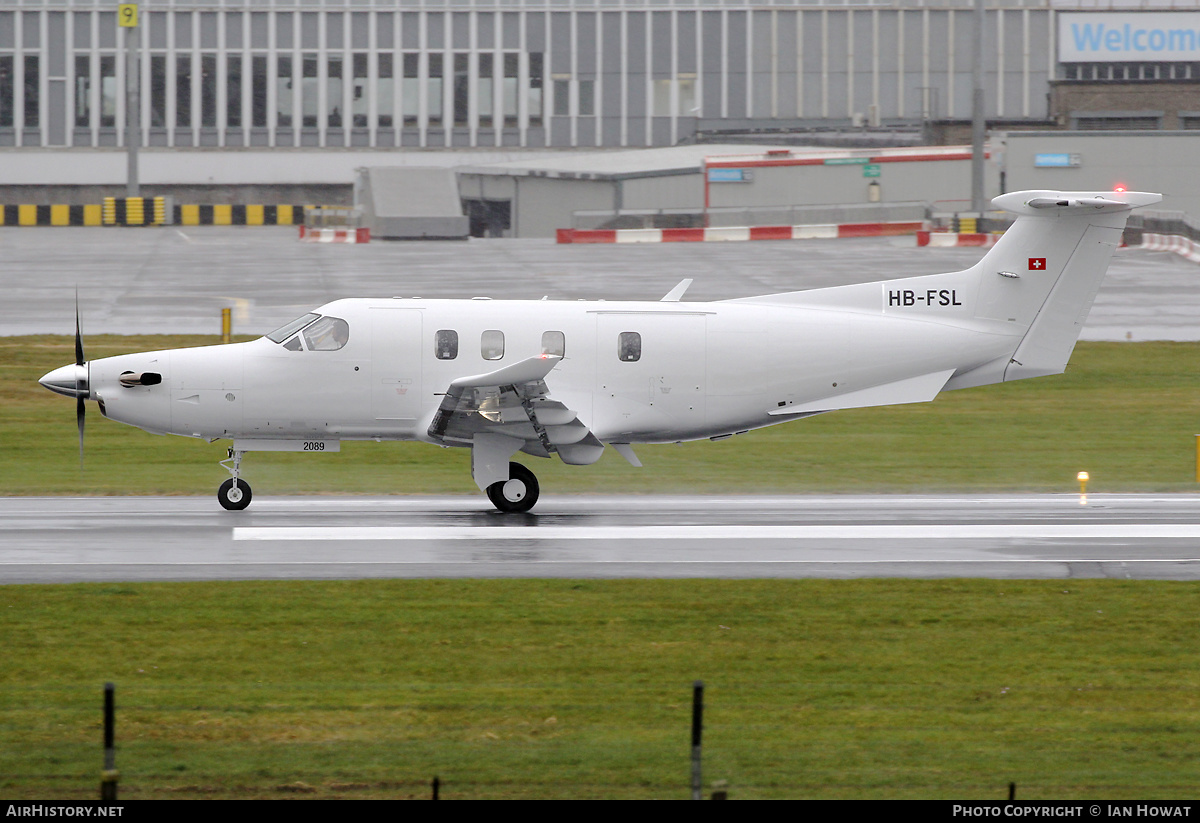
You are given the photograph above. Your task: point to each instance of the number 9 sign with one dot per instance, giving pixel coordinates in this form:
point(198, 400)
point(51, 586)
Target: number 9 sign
point(127, 15)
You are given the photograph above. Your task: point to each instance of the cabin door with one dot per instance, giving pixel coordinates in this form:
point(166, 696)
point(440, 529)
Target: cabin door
point(396, 359)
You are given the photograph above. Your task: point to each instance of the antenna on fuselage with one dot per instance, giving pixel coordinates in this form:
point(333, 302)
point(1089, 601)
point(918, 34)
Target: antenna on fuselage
point(676, 294)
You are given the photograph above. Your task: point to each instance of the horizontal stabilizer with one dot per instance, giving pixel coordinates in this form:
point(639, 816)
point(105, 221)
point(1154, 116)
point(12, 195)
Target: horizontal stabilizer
point(920, 389)
point(1049, 203)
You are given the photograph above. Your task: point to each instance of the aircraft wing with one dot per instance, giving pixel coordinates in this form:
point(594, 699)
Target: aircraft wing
point(514, 401)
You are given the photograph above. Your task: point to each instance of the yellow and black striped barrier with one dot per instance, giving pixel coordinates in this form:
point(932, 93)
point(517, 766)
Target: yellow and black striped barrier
point(33, 215)
point(150, 211)
point(230, 215)
point(135, 211)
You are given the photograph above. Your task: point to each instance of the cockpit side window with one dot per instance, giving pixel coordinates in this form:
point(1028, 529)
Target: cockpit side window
point(284, 332)
point(327, 334)
point(294, 344)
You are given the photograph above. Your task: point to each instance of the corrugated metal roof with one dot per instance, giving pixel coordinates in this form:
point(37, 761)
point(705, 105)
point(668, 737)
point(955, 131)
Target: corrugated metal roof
point(612, 163)
point(615, 164)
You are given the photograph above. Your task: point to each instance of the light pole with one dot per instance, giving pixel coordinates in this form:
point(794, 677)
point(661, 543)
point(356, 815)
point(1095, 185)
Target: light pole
point(978, 123)
point(127, 18)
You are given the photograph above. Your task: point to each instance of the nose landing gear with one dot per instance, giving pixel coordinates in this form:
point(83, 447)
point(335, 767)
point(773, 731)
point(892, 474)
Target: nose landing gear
point(234, 494)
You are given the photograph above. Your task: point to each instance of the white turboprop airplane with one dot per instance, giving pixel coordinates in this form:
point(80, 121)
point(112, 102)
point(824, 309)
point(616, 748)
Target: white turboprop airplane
point(566, 377)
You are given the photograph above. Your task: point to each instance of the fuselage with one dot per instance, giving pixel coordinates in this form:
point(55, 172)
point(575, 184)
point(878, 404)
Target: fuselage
point(633, 371)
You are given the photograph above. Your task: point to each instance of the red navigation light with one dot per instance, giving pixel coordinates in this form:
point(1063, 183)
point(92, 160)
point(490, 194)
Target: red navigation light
point(1120, 187)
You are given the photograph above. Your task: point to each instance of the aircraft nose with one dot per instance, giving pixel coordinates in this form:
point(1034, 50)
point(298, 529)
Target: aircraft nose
point(70, 381)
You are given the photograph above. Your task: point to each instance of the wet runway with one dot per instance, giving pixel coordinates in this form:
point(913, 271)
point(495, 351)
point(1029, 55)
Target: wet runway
point(1029, 536)
point(177, 279)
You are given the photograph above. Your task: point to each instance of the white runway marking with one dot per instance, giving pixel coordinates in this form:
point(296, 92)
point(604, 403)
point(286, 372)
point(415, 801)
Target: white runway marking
point(851, 532)
point(568, 561)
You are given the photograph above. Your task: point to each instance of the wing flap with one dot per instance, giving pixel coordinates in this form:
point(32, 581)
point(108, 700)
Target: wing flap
point(493, 402)
point(511, 406)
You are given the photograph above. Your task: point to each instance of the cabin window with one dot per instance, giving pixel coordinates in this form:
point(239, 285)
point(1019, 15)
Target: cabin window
point(284, 332)
point(554, 342)
point(445, 344)
point(491, 344)
point(327, 334)
point(629, 346)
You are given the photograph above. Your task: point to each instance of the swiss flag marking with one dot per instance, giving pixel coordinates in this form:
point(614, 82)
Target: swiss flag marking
point(1037, 264)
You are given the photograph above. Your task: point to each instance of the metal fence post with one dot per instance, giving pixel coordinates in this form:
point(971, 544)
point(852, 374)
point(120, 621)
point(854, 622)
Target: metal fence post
point(108, 779)
point(697, 728)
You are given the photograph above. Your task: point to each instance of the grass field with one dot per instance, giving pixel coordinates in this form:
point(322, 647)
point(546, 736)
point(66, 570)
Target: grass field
point(582, 689)
point(1124, 412)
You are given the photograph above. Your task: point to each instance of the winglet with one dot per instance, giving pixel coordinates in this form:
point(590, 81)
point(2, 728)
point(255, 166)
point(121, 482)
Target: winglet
point(676, 294)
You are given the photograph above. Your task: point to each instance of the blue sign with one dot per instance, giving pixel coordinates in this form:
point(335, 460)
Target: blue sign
point(1056, 161)
point(1170, 36)
point(729, 176)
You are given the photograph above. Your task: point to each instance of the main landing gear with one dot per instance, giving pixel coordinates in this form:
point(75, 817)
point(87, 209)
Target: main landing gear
point(234, 494)
point(518, 493)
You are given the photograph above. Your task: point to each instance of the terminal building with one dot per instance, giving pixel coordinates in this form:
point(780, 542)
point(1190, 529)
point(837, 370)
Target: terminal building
point(576, 73)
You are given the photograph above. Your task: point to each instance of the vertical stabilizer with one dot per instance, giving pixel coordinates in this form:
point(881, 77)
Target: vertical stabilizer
point(1046, 270)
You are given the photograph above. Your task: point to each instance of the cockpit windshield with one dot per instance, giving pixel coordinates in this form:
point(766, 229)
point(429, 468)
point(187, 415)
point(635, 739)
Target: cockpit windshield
point(284, 332)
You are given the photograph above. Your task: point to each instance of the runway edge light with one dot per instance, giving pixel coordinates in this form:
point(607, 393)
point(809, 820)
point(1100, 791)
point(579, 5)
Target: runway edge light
point(1082, 477)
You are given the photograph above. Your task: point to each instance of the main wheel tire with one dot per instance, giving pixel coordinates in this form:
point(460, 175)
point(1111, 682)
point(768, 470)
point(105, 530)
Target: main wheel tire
point(234, 499)
point(518, 493)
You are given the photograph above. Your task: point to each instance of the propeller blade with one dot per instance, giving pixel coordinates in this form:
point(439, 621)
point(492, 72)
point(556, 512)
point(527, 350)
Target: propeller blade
point(78, 333)
point(80, 415)
point(80, 410)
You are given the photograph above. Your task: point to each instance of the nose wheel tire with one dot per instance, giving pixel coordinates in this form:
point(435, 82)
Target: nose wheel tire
point(518, 493)
point(234, 498)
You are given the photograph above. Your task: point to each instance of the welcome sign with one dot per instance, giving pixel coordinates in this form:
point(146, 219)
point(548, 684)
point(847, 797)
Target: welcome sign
point(1128, 37)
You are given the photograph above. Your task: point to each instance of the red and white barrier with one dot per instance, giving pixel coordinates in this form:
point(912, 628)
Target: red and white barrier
point(1173, 243)
point(945, 239)
point(315, 235)
point(738, 233)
